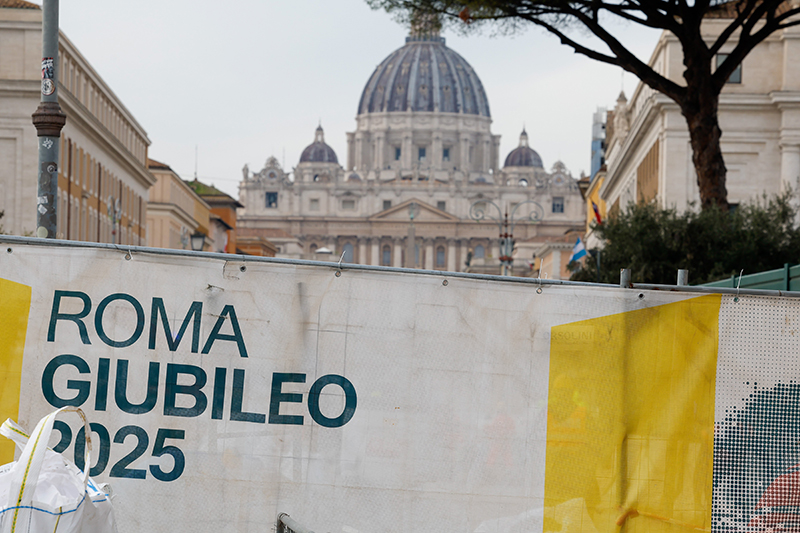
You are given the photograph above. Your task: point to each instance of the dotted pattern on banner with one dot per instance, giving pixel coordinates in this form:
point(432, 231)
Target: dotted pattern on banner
point(757, 416)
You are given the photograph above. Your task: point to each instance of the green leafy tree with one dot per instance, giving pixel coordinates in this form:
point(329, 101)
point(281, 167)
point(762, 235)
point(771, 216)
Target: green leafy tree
point(749, 22)
point(712, 243)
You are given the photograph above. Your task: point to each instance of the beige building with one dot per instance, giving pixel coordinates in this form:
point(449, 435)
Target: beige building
point(103, 166)
point(648, 154)
point(174, 211)
point(423, 147)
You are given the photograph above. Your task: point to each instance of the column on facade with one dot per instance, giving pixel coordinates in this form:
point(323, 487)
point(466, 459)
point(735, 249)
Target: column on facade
point(407, 148)
point(790, 167)
point(375, 244)
point(495, 153)
point(465, 154)
point(436, 156)
point(362, 251)
point(451, 255)
point(486, 154)
point(429, 254)
point(380, 152)
point(397, 252)
point(359, 151)
point(351, 151)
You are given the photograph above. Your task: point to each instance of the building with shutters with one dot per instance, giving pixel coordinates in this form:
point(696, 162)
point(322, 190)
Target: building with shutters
point(103, 167)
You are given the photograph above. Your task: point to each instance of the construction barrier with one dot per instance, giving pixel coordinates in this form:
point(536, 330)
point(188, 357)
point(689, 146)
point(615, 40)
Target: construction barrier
point(224, 391)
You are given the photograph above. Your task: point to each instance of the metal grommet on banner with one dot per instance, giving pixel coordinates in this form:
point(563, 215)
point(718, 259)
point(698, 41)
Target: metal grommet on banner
point(128, 255)
point(242, 268)
point(445, 282)
point(338, 273)
point(641, 296)
point(9, 250)
point(539, 290)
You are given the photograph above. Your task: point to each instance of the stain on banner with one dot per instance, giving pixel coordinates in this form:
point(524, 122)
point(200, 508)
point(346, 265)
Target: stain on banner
point(630, 422)
point(15, 304)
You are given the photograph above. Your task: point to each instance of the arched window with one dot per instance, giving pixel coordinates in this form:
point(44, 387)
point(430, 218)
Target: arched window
point(440, 256)
point(523, 182)
point(348, 253)
point(386, 255)
point(479, 252)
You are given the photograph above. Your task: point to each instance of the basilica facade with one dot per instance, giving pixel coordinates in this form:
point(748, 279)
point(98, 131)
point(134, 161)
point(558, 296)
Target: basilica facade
point(422, 186)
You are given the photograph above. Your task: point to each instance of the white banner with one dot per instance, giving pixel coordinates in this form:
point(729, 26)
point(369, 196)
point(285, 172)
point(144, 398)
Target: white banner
point(223, 392)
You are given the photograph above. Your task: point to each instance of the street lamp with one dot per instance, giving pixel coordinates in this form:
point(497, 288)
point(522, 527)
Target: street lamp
point(198, 240)
point(477, 211)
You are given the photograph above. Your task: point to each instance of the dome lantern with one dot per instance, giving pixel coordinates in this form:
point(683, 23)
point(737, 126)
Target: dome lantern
point(318, 151)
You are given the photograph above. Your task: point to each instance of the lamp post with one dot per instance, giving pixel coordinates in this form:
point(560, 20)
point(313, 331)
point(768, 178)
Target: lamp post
point(506, 223)
point(411, 251)
point(48, 120)
point(198, 240)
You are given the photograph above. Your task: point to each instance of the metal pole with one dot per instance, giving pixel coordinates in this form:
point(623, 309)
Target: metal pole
point(48, 120)
point(683, 276)
point(625, 278)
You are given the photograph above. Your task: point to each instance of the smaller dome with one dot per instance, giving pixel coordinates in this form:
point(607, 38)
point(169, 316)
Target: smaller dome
point(354, 177)
point(318, 151)
point(523, 155)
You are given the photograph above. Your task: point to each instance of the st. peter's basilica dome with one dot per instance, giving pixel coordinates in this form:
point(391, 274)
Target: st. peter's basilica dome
point(424, 75)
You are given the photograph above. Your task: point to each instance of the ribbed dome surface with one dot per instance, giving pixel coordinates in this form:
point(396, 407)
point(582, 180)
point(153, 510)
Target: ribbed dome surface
point(424, 75)
point(523, 156)
point(318, 151)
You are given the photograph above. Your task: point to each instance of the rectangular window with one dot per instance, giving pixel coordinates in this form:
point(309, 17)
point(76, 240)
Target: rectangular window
point(313, 204)
point(421, 154)
point(271, 200)
point(349, 204)
point(445, 154)
point(558, 204)
point(397, 153)
point(736, 75)
point(440, 205)
point(387, 204)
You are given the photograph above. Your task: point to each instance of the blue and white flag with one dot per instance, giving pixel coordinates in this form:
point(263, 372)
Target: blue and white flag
point(578, 251)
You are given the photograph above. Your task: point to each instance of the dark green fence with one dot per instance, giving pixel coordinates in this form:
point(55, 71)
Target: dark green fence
point(781, 279)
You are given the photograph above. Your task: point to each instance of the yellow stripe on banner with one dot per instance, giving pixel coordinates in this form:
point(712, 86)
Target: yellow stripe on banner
point(15, 304)
point(630, 420)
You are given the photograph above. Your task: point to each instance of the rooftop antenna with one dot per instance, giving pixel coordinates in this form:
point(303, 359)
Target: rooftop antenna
point(195, 162)
point(622, 80)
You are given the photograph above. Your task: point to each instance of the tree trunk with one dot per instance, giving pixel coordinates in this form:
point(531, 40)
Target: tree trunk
point(699, 106)
point(704, 133)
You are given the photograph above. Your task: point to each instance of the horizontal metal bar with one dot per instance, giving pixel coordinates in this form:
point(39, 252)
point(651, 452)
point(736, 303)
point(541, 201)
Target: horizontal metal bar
point(333, 265)
point(716, 290)
point(287, 521)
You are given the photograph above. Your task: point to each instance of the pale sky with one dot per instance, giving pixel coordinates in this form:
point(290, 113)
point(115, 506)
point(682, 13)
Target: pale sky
point(242, 80)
